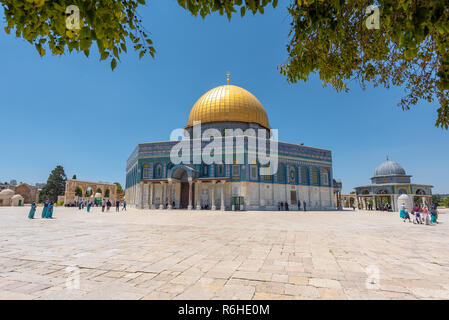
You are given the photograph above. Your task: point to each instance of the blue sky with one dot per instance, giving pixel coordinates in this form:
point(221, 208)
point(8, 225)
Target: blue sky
point(76, 112)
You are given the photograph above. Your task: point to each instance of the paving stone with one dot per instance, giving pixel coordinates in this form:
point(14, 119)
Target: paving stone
point(149, 254)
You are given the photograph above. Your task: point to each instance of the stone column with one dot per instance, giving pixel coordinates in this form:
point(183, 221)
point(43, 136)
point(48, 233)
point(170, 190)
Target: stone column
point(198, 195)
point(222, 206)
point(151, 196)
point(189, 207)
point(162, 205)
point(146, 195)
point(170, 195)
point(213, 207)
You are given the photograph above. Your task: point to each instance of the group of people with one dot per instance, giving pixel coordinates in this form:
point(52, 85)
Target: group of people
point(421, 215)
point(284, 206)
point(105, 205)
point(47, 211)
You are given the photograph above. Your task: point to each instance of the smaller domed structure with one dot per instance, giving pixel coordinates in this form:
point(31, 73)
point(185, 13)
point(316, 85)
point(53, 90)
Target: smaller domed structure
point(391, 187)
point(17, 200)
point(389, 168)
point(7, 192)
point(6, 197)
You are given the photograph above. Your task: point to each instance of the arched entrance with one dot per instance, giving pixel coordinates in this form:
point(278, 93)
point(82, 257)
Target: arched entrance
point(181, 176)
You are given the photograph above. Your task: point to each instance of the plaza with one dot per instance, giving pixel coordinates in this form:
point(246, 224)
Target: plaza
point(190, 254)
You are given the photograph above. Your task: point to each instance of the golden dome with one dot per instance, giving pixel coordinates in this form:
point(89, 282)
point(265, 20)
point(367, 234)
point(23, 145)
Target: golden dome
point(228, 103)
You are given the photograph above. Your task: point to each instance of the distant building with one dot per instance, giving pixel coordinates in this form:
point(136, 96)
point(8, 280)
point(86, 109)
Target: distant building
point(40, 186)
point(13, 182)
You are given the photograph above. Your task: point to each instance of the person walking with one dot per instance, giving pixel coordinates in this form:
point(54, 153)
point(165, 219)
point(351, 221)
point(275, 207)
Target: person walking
point(103, 205)
point(299, 205)
point(88, 206)
point(418, 217)
point(108, 205)
point(124, 205)
point(32, 210)
point(425, 214)
point(44, 210)
point(50, 210)
point(304, 205)
point(286, 206)
point(117, 206)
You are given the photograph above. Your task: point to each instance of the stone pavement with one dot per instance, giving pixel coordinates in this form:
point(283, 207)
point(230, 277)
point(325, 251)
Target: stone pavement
point(221, 255)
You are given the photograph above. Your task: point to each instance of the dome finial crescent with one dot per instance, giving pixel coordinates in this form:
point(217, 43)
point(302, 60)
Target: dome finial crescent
point(228, 74)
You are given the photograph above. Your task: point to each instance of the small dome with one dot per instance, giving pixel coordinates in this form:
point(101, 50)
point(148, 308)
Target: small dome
point(7, 192)
point(17, 196)
point(389, 168)
point(98, 195)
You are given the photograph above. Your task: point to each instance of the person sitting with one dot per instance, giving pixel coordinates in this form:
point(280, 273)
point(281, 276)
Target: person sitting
point(433, 216)
point(404, 214)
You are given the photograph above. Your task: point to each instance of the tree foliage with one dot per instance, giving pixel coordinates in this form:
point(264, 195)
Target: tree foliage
point(410, 49)
point(106, 23)
point(328, 37)
point(55, 185)
point(119, 187)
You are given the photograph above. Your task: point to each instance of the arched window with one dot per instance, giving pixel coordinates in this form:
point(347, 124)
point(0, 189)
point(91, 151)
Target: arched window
point(292, 175)
point(219, 170)
point(325, 177)
point(158, 171)
point(315, 176)
point(253, 172)
point(205, 171)
point(146, 171)
point(304, 175)
point(107, 193)
point(281, 173)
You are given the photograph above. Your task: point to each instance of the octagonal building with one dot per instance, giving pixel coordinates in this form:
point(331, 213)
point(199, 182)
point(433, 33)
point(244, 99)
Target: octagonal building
point(304, 174)
point(389, 182)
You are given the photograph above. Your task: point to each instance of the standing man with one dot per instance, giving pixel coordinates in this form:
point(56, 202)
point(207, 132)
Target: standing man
point(299, 205)
point(117, 206)
point(124, 205)
point(108, 204)
point(103, 205)
point(304, 205)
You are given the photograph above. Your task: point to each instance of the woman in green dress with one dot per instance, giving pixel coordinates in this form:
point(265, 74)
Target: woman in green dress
point(50, 211)
point(32, 210)
point(44, 211)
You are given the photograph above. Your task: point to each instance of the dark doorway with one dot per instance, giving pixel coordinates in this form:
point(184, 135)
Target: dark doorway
point(185, 195)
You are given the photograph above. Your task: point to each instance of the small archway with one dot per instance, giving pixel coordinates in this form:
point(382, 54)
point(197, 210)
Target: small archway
point(78, 192)
point(89, 192)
